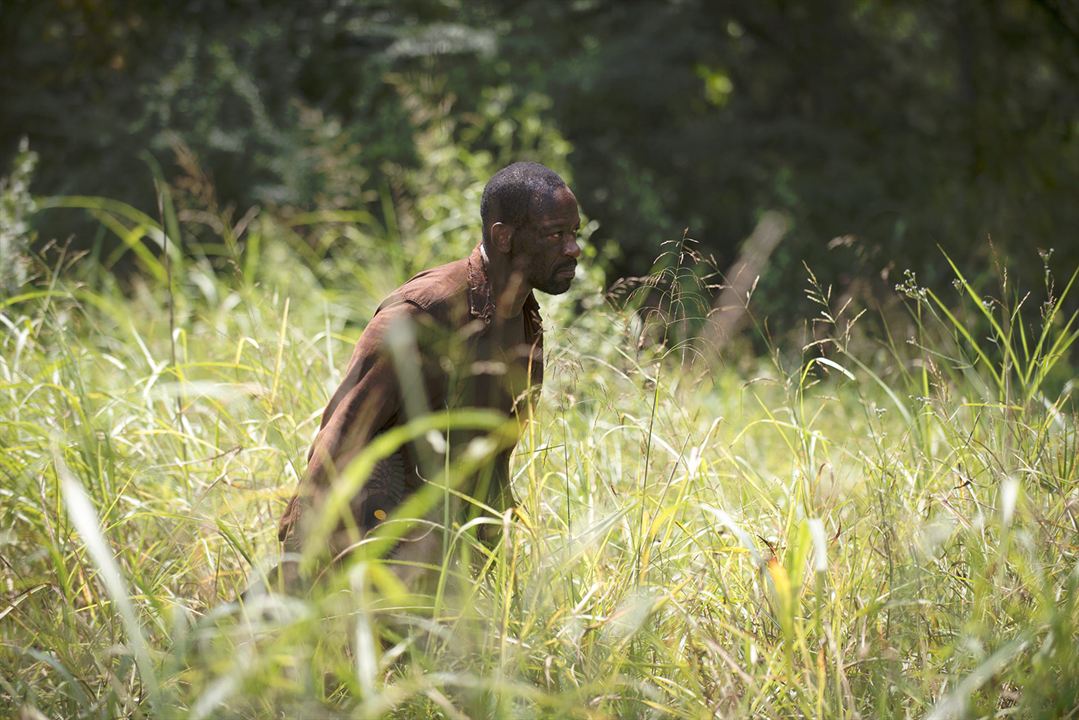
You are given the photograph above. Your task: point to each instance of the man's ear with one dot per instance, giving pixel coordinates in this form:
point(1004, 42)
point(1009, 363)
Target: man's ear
point(502, 237)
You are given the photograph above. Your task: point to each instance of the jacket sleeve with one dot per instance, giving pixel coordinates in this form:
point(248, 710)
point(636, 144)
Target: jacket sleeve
point(367, 400)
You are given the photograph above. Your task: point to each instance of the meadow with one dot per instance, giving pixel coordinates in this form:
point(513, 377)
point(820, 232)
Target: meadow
point(876, 519)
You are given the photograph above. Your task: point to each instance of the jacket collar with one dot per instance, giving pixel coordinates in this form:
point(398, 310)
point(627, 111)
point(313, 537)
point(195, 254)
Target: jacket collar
point(480, 304)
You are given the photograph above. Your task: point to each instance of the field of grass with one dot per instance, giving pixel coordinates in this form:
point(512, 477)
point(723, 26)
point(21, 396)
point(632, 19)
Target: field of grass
point(875, 525)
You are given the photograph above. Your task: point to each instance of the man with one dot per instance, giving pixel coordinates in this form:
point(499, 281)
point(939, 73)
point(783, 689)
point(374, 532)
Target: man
point(476, 327)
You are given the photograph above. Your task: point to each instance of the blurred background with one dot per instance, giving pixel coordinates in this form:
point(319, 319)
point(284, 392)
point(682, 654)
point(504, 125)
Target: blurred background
point(881, 129)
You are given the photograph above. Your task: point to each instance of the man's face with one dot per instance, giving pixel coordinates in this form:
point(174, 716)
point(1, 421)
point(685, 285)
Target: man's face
point(545, 248)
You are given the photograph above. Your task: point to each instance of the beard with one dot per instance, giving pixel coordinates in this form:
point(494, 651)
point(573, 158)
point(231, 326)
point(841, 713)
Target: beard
point(557, 281)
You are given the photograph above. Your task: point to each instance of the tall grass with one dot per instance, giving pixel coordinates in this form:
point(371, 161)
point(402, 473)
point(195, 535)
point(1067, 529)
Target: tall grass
point(877, 521)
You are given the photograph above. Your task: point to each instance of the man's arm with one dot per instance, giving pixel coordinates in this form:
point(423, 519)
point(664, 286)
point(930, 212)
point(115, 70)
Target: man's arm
point(366, 401)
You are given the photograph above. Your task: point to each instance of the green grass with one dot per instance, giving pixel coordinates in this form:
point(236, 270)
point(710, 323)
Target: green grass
point(878, 523)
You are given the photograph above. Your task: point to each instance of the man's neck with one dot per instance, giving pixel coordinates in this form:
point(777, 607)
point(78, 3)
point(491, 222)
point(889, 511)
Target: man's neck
point(508, 289)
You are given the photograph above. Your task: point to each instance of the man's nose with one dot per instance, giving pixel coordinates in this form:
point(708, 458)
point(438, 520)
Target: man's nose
point(573, 248)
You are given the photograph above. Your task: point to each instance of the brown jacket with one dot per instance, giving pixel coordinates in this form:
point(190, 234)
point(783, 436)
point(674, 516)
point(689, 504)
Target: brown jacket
point(461, 362)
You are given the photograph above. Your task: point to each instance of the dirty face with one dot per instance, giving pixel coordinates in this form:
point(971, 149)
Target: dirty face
point(545, 248)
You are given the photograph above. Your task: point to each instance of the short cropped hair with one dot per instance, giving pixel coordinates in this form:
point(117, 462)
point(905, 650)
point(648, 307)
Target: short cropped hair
point(509, 193)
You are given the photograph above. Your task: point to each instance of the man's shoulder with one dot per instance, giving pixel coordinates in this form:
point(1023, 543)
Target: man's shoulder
point(439, 291)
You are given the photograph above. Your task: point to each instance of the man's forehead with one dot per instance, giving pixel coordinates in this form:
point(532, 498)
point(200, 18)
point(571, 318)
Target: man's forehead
point(557, 205)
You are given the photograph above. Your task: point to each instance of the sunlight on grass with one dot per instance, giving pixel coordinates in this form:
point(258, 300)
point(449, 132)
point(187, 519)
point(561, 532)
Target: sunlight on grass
point(854, 526)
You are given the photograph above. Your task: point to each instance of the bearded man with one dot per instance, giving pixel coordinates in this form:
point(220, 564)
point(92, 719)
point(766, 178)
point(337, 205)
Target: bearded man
point(477, 336)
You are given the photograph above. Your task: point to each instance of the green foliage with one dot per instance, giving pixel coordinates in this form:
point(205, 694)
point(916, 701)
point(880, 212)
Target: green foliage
point(16, 208)
point(902, 124)
point(880, 129)
point(877, 520)
point(853, 527)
